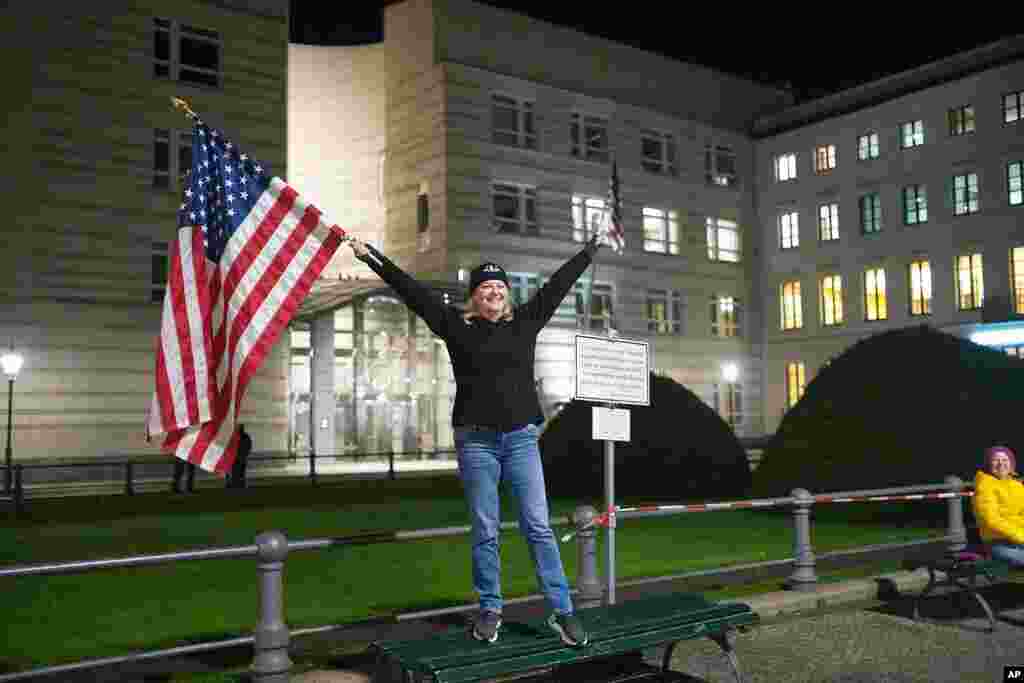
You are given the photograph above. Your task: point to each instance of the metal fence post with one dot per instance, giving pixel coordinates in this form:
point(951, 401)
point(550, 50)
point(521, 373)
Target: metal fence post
point(271, 663)
point(803, 577)
point(129, 488)
point(588, 583)
point(955, 508)
point(391, 465)
point(312, 466)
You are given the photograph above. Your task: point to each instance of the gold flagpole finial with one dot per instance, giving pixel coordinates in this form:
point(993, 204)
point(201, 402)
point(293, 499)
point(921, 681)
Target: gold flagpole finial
point(183, 105)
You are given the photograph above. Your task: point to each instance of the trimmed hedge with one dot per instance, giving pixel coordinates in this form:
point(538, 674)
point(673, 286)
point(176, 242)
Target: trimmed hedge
point(899, 408)
point(679, 448)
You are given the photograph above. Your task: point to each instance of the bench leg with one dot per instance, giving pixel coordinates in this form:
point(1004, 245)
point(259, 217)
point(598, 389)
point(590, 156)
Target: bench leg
point(972, 588)
point(666, 659)
point(726, 641)
point(921, 596)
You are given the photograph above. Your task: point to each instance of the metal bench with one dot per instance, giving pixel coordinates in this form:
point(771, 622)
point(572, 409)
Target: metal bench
point(618, 633)
point(961, 571)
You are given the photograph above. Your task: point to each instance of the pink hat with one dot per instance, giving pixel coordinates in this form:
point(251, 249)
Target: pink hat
point(992, 452)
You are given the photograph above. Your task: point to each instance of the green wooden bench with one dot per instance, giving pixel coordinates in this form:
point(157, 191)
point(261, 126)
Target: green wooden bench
point(961, 571)
point(618, 635)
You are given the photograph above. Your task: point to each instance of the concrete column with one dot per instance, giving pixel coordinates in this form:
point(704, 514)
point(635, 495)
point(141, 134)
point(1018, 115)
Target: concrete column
point(321, 382)
point(358, 363)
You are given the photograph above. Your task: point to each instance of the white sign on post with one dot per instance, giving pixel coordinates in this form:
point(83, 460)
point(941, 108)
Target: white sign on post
point(611, 424)
point(612, 370)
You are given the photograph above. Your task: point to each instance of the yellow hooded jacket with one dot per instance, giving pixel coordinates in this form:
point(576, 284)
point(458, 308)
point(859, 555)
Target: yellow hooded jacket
point(999, 508)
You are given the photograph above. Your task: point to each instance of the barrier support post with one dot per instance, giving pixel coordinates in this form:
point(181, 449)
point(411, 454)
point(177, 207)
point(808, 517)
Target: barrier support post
point(955, 508)
point(271, 663)
point(803, 577)
point(588, 582)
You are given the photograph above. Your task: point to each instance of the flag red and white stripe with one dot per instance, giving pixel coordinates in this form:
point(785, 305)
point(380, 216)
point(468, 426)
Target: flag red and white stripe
point(220, 319)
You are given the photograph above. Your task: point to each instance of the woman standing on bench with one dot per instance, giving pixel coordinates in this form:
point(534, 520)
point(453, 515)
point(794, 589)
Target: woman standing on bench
point(999, 505)
point(495, 418)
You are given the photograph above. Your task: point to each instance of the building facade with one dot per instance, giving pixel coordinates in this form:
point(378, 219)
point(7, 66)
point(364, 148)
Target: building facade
point(762, 238)
point(898, 203)
point(490, 135)
point(97, 152)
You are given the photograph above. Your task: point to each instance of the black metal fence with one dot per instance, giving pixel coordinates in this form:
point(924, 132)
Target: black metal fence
point(129, 474)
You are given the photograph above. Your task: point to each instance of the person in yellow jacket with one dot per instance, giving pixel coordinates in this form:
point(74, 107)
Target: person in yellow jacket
point(999, 505)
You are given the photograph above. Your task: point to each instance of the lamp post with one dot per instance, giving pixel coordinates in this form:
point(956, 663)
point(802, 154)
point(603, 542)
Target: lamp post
point(731, 373)
point(11, 363)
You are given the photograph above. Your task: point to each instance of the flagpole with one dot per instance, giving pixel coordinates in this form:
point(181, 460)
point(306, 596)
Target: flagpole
point(590, 293)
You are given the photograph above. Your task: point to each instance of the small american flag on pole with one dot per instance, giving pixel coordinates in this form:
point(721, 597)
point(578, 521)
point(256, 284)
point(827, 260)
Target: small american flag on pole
point(614, 232)
point(247, 251)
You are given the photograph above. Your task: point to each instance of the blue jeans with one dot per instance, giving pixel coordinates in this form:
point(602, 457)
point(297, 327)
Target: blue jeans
point(1009, 552)
point(488, 457)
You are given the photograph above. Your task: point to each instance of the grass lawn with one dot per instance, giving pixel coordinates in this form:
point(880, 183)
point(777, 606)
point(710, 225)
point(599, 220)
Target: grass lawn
point(114, 612)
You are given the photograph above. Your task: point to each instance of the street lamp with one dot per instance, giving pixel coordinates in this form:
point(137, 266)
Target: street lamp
point(731, 373)
point(11, 363)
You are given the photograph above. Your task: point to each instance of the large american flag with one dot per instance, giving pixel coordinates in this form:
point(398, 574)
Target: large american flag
point(247, 251)
point(614, 232)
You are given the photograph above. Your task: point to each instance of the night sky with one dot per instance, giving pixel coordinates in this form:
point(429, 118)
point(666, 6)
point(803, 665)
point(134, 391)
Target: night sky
point(775, 46)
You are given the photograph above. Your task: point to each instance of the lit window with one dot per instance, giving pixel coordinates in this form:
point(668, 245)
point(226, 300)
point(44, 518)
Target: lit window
point(832, 300)
point(661, 231)
point(791, 307)
point(874, 294)
point(961, 120)
point(789, 230)
point(1013, 107)
point(720, 166)
point(867, 146)
point(920, 288)
point(589, 136)
point(785, 167)
point(1017, 278)
point(725, 316)
point(658, 152)
point(824, 158)
point(186, 54)
point(796, 377)
point(512, 122)
point(172, 158)
point(515, 209)
point(915, 205)
point(664, 311)
point(870, 213)
point(965, 194)
point(828, 222)
point(723, 240)
point(913, 134)
point(970, 282)
point(158, 272)
point(588, 215)
point(1013, 183)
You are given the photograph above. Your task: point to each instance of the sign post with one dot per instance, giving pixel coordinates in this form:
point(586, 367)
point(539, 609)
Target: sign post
point(611, 371)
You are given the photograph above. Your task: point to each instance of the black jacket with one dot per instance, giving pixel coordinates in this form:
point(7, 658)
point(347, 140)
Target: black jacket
point(492, 361)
